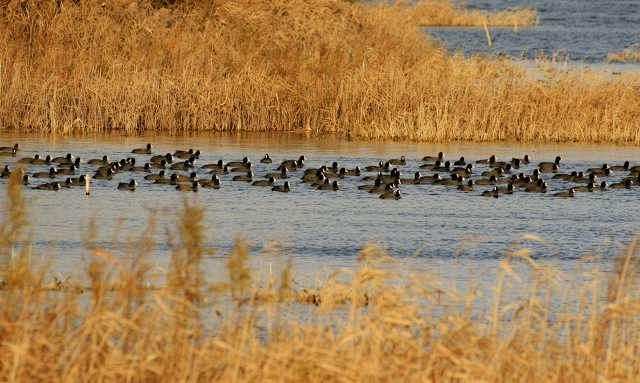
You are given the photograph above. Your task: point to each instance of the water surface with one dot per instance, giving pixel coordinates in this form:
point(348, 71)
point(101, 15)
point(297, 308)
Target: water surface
point(432, 227)
point(578, 30)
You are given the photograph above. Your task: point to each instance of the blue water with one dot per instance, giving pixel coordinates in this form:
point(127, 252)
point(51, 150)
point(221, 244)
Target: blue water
point(432, 228)
point(578, 30)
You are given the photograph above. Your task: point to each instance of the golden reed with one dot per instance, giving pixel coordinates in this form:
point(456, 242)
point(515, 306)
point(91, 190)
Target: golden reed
point(321, 67)
point(367, 324)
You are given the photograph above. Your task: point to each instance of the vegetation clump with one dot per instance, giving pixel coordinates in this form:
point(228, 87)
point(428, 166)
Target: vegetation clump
point(320, 67)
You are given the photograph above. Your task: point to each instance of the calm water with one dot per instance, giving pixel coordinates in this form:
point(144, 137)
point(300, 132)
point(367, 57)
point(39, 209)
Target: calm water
point(583, 30)
point(434, 228)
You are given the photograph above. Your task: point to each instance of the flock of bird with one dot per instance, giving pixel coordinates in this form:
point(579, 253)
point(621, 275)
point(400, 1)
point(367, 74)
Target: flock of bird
point(182, 171)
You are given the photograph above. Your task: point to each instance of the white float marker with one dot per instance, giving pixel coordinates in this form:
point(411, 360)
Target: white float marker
point(87, 184)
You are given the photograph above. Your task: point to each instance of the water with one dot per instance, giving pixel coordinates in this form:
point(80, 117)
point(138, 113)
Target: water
point(579, 30)
point(459, 236)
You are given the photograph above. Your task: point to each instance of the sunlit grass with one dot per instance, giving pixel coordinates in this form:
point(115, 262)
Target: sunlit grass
point(625, 56)
point(366, 324)
point(319, 67)
point(446, 13)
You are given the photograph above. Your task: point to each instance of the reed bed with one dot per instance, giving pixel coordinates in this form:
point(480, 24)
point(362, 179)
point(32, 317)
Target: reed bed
point(447, 14)
point(630, 55)
point(320, 67)
point(366, 324)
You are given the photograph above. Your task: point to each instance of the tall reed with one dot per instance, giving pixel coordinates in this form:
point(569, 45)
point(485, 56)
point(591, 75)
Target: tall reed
point(319, 67)
point(366, 324)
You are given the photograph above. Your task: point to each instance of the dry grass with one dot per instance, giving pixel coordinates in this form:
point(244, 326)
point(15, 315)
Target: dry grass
point(368, 324)
point(445, 13)
point(625, 56)
point(322, 67)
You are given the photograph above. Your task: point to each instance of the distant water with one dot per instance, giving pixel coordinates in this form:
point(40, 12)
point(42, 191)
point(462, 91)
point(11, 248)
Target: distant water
point(580, 30)
point(434, 228)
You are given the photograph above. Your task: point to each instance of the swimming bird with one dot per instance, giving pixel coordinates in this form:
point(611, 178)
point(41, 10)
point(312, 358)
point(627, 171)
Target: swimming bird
point(369, 187)
point(213, 183)
point(434, 179)
point(292, 164)
point(145, 150)
point(218, 165)
point(491, 193)
point(335, 186)
point(492, 180)
point(603, 171)
point(506, 190)
point(433, 167)
point(193, 176)
point(565, 177)
point(467, 187)
point(99, 161)
point(50, 174)
point(168, 158)
point(282, 188)
point(9, 150)
point(158, 165)
point(172, 180)
point(490, 160)
point(283, 173)
point(130, 186)
point(625, 184)
point(53, 186)
point(460, 162)
point(412, 181)
point(244, 161)
point(398, 161)
point(63, 159)
point(25, 179)
point(224, 170)
point(565, 194)
point(539, 187)
point(580, 178)
point(103, 175)
point(154, 177)
point(184, 165)
point(354, 172)
point(6, 172)
point(320, 181)
point(391, 194)
point(245, 177)
point(550, 167)
point(266, 159)
point(439, 157)
point(497, 172)
point(624, 167)
point(463, 171)
point(67, 171)
point(313, 176)
point(376, 168)
point(242, 168)
point(590, 187)
point(184, 154)
point(78, 181)
point(268, 182)
point(455, 180)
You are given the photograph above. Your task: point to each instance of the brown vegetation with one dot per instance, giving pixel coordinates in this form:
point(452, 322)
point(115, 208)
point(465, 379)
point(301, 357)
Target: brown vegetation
point(625, 56)
point(369, 324)
point(446, 13)
point(323, 67)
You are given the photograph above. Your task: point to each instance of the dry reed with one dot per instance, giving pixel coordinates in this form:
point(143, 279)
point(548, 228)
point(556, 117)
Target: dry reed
point(625, 56)
point(370, 324)
point(446, 13)
point(320, 67)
